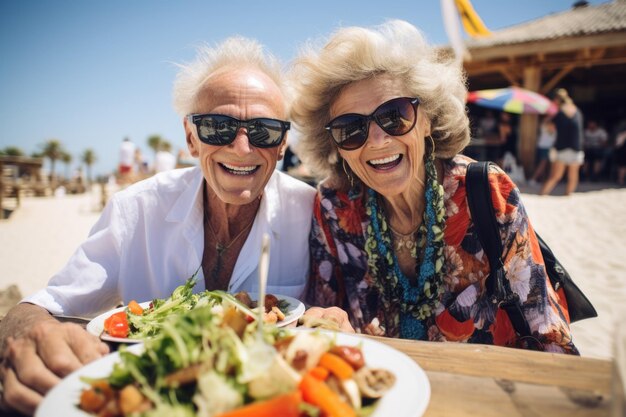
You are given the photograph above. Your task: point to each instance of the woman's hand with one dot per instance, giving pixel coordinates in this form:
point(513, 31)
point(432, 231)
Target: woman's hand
point(36, 356)
point(333, 318)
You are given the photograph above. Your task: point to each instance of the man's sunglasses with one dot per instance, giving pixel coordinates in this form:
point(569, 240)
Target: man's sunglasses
point(220, 130)
point(395, 117)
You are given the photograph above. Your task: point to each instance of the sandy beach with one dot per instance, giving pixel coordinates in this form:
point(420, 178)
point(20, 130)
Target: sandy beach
point(587, 232)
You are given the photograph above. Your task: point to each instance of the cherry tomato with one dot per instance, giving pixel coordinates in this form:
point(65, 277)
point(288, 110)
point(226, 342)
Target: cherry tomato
point(350, 354)
point(117, 325)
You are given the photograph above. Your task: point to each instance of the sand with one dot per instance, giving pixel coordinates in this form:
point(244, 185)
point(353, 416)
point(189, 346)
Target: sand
point(587, 232)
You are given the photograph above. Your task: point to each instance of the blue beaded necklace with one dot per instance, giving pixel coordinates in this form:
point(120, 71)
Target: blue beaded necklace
point(414, 303)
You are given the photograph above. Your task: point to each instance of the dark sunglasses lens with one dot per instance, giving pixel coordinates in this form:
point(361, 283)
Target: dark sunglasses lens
point(396, 117)
point(349, 131)
point(265, 133)
point(217, 130)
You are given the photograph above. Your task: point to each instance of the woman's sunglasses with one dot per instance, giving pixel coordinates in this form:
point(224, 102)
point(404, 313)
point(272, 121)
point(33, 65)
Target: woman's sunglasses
point(395, 117)
point(220, 130)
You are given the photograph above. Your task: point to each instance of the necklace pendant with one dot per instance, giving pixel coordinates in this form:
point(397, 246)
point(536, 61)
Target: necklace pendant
point(403, 243)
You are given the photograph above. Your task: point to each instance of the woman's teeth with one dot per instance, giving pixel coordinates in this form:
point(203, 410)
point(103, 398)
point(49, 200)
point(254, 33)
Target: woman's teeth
point(387, 162)
point(237, 170)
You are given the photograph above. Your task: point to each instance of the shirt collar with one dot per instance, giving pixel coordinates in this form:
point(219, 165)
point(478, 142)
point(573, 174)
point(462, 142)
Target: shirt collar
point(190, 201)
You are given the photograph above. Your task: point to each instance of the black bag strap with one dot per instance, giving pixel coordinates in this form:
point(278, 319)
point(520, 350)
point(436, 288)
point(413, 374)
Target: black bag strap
point(484, 217)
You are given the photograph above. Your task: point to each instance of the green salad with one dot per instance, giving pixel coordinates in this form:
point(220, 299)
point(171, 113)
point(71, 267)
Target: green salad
point(213, 362)
point(136, 322)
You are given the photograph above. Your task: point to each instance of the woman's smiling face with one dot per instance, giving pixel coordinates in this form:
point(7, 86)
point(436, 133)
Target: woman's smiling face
point(388, 164)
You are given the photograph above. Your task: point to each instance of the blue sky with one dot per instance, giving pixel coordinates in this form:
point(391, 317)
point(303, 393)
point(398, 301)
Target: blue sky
point(90, 73)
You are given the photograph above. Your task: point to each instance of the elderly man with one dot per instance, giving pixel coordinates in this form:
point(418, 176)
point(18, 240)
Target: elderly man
point(153, 235)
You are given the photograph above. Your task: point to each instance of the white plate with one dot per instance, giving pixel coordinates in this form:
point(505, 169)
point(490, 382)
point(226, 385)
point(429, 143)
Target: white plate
point(407, 398)
point(294, 311)
point(96, 326)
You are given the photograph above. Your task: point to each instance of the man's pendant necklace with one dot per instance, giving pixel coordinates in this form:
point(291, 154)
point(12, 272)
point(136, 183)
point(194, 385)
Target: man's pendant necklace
point(220, 249)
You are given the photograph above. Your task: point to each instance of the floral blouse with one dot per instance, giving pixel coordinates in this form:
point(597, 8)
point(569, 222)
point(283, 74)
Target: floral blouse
point(340, 275)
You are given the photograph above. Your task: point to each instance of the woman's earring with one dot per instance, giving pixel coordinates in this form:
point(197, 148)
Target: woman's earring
point(343, 163)
point(432, 147)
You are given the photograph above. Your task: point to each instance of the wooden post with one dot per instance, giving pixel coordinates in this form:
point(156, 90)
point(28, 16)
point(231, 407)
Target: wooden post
point(527, 142)
point(1, 190)
point(618, 406)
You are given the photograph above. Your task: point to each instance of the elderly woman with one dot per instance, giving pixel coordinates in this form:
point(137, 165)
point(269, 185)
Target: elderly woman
point(153, 235)
point(392, 242)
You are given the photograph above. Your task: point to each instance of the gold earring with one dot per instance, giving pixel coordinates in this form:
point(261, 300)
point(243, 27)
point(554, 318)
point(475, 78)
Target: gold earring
point(343, 164)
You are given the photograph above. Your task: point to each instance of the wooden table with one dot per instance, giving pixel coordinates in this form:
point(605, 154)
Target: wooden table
point(481, 380)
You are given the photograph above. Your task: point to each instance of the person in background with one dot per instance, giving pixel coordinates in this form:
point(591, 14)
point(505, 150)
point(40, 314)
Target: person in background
point(383, 119)
point(290, 161)
point(567, 154)
point(164, 159)
point(141, 164)
point(184, 159)
point(547, 137)
point(507, 138)
point(127, 160)
point(619, 152)
point(596, 146)
point(488, 130)
point(488, 125)
point(156, 233)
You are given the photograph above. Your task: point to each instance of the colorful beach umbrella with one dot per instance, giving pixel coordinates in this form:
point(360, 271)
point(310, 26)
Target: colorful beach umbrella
point(512, 100)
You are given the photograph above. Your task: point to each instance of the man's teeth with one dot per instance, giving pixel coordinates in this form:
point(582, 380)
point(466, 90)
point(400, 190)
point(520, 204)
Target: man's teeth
point(384, 160)
point(240, 170)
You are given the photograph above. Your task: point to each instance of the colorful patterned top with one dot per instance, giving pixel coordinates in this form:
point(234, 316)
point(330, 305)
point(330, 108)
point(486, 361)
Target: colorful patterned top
point(340, 273)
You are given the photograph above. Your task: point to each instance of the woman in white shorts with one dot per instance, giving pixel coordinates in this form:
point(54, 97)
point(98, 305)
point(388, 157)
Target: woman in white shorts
point(567, 154)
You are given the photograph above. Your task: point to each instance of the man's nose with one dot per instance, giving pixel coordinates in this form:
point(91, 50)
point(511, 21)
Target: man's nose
point(241, 144)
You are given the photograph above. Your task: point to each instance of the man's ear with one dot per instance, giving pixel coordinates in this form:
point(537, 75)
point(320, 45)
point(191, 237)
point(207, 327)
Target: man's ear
point(282, 149)
point(192, 144)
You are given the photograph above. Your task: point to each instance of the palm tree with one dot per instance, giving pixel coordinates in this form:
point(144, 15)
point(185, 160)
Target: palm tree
point(154, 142)
point(88, 158)
point(53, 150)
point(66, 158)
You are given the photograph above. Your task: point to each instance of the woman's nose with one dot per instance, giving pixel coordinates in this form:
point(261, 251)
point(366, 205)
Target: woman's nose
point(377, 137)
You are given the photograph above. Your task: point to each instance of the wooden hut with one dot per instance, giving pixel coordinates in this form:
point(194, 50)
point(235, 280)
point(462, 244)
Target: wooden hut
point(582, 49)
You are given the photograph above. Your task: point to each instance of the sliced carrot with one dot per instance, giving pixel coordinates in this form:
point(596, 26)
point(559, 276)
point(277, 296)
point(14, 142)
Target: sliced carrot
point(92, 401)
point(135, 308)
point(319, 373)
point(339, 367)
point(316, 392)
point(286, 405)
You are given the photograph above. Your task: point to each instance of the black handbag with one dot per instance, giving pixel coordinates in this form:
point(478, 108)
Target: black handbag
point(497, 285)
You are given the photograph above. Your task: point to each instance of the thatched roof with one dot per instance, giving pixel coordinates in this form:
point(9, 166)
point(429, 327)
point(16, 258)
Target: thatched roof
point(580, 21)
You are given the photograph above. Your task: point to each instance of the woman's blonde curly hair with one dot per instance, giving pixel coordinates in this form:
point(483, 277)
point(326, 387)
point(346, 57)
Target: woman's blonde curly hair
point(395, 48)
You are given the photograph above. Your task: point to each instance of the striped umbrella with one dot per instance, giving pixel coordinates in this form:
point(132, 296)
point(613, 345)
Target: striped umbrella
point(512, 100)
